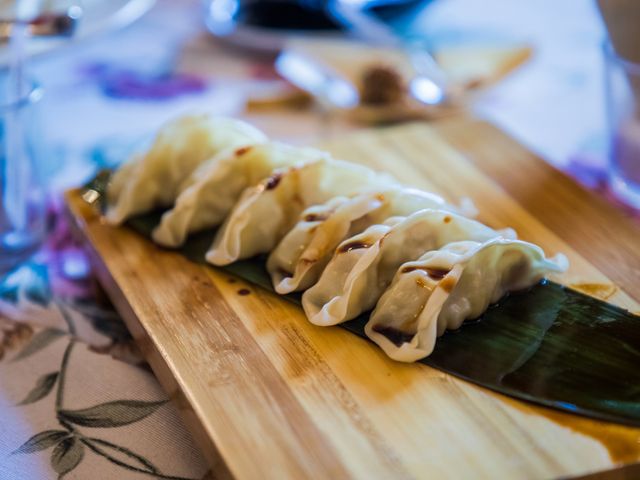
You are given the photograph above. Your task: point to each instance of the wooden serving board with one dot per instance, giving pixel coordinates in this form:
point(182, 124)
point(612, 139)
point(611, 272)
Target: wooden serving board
point(269, 395)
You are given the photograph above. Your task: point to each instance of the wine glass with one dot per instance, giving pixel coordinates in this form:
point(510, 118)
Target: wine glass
point(22, 195)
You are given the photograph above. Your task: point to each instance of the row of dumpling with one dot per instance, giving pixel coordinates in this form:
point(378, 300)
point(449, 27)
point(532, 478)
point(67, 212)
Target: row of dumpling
point(353, 239)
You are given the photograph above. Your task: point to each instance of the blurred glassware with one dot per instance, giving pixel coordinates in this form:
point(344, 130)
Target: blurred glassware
point(22, 195)
point(264, 25)
point(375, 84)
point(52, 24)
point(622, 84)
point(429, 85)
point(369, 84)
point(98, 16)
point(325, 84)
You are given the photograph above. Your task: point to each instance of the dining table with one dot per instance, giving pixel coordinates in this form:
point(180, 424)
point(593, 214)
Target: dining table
point(60, 337)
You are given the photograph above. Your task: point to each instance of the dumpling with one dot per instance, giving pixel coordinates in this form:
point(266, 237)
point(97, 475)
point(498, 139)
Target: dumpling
point(267, 211)
point(214, 187)
point(445, 287)
point(298, 260)
point(363, 266)
point(153, 179)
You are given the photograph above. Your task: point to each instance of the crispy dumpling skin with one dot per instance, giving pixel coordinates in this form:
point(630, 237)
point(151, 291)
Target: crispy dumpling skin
point(215, 186)
point(363, 266)
point(267, 211)
point(298, 260)
point(154, 178)
point(445, 287)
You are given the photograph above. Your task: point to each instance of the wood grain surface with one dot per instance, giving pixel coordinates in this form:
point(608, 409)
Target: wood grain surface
point(269, 395)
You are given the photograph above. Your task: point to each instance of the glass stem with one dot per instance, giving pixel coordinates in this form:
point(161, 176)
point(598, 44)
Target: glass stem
point(16, 163)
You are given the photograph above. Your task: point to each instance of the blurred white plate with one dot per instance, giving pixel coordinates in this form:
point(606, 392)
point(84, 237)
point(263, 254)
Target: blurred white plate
point(99, 16)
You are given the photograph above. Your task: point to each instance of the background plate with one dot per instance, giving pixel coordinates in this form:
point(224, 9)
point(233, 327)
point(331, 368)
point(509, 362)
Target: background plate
point(99, 16)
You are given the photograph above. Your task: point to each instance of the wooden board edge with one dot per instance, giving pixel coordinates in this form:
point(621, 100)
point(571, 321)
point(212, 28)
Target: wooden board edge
point(76, 210)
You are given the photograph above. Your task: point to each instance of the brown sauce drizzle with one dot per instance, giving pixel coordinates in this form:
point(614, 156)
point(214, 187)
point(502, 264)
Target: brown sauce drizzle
point(315, 217)
point(244, 291)
point(410, 269)
point(242, 150)
point(599, 290)
point(622, 442)
point(347, 247)
point(395, 336)
point(437, 274)
point(434, 273)
point(447, 284)
point(273, 181)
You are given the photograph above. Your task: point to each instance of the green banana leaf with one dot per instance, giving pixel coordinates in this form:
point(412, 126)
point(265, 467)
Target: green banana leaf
point(549, 345)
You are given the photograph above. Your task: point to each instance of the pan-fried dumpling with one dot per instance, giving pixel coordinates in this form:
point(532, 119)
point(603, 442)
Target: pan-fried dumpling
point(445, 287)
point(298, 260)
point(214, 187)
point(267, 211)
point(153, 179)
point(363, 266)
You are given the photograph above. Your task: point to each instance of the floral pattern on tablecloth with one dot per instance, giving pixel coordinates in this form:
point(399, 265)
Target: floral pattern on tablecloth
point(78, 401)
